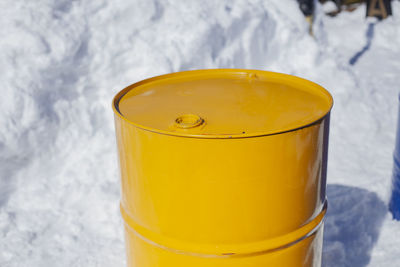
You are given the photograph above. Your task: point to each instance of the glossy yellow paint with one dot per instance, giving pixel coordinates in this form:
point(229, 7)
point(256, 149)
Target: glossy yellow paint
point(223, 168)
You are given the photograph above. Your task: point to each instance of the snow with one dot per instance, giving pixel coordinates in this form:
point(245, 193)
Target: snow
point(329, 6)
point(63, 61)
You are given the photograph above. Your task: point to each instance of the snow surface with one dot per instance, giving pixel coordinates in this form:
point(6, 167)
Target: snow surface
point(63, 61)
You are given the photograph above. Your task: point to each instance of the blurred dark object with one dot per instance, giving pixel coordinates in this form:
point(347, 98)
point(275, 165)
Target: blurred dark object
point(380, 9)
point(347, 5)
point(375, 8)
point(307, 7)
point(394, 203)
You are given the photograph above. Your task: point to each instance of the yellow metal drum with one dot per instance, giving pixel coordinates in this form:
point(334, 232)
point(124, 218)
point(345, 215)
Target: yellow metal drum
point(223, 168)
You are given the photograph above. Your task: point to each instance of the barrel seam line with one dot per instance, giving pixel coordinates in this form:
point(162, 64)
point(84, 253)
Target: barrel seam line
point(232, 254)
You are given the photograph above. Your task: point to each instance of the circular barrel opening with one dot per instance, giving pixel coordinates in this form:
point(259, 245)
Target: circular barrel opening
point(188, 121)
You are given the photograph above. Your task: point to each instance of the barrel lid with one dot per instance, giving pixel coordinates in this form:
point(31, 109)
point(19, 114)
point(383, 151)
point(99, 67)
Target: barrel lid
point(223, 103)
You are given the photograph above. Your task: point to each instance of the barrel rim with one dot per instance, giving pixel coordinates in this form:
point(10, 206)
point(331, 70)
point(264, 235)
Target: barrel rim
point(122, 93)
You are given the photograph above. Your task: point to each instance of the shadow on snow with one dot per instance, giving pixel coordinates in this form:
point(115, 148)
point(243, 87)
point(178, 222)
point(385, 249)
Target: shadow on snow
point(352, 226)
point(369, 35)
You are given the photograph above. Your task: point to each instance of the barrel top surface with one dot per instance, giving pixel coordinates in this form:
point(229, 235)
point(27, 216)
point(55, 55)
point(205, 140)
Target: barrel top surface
point(223, 103)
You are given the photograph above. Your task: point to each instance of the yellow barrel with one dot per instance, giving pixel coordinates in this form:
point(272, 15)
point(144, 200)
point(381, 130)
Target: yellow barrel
point(223, 168)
